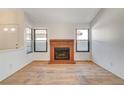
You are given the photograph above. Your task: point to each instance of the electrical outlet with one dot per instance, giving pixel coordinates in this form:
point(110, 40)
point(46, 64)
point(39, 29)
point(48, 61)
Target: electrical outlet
point(111, 64)
point(10, 65)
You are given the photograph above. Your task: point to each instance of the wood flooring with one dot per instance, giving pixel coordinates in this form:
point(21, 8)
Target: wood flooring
point(82, 73)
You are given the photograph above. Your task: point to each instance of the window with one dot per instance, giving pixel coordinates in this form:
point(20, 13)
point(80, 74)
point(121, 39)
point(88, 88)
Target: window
point(40, 40)
point(82, 40)
point(28, 40)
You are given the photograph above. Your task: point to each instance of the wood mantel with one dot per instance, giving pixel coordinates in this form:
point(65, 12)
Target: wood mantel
point(62, 43)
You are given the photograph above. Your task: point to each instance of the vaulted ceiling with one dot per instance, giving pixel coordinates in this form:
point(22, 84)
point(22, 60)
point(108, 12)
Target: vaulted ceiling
point(61, 15)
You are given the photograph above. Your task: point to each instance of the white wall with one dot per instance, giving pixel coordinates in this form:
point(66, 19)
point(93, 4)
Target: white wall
point(11, 60)
point(61, 31)
point(108, 40)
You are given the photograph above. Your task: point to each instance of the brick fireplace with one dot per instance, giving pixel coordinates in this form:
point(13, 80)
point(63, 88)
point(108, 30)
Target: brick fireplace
point(62, 51)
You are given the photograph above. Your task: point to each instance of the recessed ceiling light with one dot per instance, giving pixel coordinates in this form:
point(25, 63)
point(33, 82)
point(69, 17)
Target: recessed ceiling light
point(12, 29)
point(5, 29)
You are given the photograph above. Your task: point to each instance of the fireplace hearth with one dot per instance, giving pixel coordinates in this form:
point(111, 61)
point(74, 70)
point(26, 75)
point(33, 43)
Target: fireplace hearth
point(61, 53)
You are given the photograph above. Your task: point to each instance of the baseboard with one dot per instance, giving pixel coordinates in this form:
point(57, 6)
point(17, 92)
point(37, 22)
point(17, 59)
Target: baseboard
point(83, 60)
point(43, 61)
point(47, 61)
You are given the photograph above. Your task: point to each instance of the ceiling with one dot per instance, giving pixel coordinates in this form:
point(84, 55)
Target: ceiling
point(61, 15)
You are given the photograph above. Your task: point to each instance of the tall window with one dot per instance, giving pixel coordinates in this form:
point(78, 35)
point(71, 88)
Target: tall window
point(28, 40)
point(40, 40)
point(82, 40)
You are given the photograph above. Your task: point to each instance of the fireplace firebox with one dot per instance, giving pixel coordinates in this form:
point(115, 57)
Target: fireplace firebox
point(61, 53)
